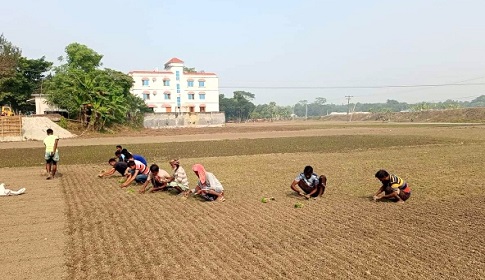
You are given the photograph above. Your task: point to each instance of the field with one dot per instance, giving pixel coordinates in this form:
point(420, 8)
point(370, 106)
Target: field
point(81, 227)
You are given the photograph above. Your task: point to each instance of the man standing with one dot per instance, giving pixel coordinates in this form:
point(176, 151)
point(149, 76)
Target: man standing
point(51, 153)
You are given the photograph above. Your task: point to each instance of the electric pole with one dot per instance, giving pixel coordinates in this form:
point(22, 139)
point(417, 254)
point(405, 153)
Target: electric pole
point(348, 103)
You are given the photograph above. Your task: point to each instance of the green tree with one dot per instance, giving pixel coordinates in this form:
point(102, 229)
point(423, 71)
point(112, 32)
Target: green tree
point(9, 57)
point(478, 102)
point(27, 80)
point(239, 107)
point(189, 69)
point(244, 106)
point(80, 81)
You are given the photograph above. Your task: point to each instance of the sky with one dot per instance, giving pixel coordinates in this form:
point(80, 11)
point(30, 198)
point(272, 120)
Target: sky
point(283, 51)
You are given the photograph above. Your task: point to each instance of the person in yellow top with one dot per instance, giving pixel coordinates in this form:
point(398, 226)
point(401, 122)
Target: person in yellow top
point(394, 188)
point(51, 153)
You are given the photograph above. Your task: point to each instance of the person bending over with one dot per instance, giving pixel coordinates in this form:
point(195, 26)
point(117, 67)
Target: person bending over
point(310, 184)
point(393, 187)
point(158, 178)
point(208, 186)
point(179, 180)
point(138, 172)
point(116, 165)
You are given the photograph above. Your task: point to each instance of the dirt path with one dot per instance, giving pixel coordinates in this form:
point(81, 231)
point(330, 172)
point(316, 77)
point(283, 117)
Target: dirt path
point(268, 132)
point(32, 227)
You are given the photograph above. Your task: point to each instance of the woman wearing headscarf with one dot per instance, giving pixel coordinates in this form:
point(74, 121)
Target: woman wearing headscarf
point(208, 186)
point(179, 179)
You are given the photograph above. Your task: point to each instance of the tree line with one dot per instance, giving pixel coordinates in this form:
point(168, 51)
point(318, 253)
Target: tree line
point(240, 107)
point(79, 85)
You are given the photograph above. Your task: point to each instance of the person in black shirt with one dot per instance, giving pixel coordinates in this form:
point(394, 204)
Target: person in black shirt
point(119, 166)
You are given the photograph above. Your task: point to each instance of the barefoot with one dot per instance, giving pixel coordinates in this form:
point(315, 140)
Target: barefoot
point(400, 201)
point(221, 199)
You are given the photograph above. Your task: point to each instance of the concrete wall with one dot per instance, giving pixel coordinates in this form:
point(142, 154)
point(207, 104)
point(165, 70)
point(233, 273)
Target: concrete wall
point(171, 120)
point(41, 105)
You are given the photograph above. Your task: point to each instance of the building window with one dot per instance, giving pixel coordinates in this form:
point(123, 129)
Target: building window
point(145, 82)
point(168, 109)
point(202, 96)
point(166, 96)
point(201, 83)
point(191, 109)
point(202, 109)
point(178, 88)
point(146, 96)
point(190, 83)
point(166, 83)
point(177, 75)
point(191, 96)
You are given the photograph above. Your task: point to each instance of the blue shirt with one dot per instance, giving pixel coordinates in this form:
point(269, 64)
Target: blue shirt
point(140, 159)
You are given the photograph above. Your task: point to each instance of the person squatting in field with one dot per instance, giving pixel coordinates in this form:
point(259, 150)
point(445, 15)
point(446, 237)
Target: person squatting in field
point(310, 183)
point(159, 179)
point(179, 180)
point(51, 154)
point(118, 154)
point(208, 186)
point(138, 172)
point(116, 165)
point(129, 156)
point(394, 188)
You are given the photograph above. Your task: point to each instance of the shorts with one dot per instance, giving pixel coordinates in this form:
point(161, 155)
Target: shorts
point(322, 182)
point(402, 194)
point(51, 159)
point(177, 184)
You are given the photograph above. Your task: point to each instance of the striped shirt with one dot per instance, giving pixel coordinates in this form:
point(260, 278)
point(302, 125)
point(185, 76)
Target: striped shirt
point(395, 182)
point(142, 168)
point(180, 176)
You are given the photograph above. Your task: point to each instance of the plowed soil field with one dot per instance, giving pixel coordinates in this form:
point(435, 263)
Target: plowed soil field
point(114, 233)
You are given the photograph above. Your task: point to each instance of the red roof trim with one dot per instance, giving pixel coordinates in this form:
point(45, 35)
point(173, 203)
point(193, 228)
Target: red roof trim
point(167, 92)
point(146, 92)
point(145, 79)
point(202, 105)
point(166, 79)
point(174, 60)
point(199, 73)
point(167, 105)
point(151, 106)
point(149, 72)
point(190, 80)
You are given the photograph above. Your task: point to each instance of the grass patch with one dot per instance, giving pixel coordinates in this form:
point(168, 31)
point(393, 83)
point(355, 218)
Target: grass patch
point(163, 151)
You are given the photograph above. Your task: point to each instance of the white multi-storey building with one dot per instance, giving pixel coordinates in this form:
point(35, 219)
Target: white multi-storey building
point(174, 90)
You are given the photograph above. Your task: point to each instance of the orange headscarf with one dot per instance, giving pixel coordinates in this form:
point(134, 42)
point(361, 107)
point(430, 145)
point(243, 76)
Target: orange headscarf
point(201, 171)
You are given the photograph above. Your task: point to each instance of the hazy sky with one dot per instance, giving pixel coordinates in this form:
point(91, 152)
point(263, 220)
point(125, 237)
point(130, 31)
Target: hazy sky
point(305, 43)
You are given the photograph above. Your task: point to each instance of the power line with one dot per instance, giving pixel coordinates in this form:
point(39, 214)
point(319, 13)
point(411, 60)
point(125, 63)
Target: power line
point(420, 89)
point(353, 87)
